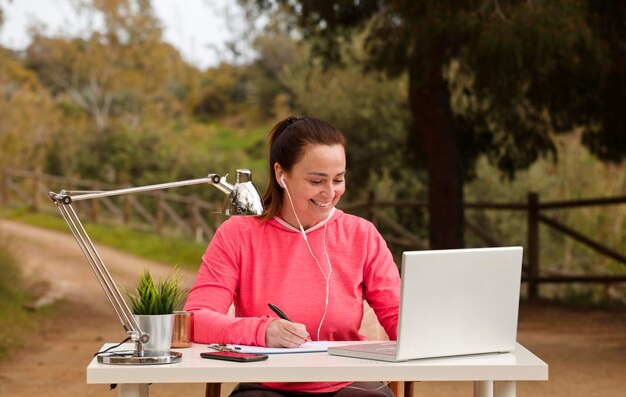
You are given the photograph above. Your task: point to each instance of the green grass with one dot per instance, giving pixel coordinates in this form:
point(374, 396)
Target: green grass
point(15, 320)
point(173, 251)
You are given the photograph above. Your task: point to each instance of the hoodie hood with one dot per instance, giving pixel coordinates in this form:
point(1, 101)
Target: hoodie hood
point(282, 224)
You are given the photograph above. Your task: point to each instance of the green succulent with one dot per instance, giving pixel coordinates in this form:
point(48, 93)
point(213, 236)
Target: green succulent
point(160, 297)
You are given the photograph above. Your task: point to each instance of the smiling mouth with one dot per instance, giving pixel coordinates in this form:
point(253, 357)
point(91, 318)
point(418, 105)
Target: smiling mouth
point(323, 205)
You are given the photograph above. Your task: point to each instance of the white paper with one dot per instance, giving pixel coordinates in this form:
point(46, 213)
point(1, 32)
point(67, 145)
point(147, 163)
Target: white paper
point(307, 347)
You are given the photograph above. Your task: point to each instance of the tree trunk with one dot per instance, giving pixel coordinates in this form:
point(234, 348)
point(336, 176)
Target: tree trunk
point(430, 105)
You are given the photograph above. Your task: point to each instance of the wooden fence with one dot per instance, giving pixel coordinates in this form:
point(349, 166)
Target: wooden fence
point(166, 212)
point(533, 274)
point(158, 210)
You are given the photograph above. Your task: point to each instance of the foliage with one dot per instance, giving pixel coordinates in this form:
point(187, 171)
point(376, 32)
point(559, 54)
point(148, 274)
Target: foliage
point(369, 109)
point(276, 51)
point(155, 298)
point(121, 91)
point(117, 105)
point(29, 119)
point(578, 175)
point(498, 78)
point(229, 89)
point(223, 90)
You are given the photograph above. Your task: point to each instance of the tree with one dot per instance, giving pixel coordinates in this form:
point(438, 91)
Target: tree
point(124, 71)
point(495, 77)
point(29, 119)
point(122, 91)
point(223, 90)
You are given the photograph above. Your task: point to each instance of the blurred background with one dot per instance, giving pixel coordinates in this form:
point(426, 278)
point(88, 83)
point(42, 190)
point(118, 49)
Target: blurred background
point(477, 123)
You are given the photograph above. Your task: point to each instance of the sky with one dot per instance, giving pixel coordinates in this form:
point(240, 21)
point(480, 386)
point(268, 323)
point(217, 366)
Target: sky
point(197, 28)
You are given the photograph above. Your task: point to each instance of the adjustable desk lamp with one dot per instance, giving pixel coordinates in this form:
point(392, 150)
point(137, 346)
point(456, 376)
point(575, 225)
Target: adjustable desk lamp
point(243, 199)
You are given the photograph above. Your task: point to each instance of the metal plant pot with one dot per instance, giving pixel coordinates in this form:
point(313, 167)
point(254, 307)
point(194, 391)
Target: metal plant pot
point(160, 328)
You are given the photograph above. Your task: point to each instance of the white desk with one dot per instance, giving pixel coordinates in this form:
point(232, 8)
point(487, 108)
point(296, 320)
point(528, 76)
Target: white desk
point(492, 374)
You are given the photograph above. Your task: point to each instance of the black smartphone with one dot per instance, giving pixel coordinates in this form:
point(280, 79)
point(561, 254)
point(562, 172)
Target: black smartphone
point(234, 356)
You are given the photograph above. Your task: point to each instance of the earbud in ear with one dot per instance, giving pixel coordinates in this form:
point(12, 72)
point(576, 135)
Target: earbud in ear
point(282, 178)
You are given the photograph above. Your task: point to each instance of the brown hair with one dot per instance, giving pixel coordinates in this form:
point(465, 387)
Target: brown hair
point(287, 141)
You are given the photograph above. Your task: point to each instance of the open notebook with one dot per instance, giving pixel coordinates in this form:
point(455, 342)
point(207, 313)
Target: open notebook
point(453, 302)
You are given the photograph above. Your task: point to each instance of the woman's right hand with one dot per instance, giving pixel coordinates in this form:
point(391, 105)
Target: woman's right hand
point(283, 333)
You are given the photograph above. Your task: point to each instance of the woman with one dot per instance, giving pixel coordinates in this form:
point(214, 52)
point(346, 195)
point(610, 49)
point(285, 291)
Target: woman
point(305, 256)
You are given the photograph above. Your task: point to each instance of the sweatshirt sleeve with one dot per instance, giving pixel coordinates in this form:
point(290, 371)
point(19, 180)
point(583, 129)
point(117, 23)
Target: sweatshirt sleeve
point(381, 281)
point(214, 291)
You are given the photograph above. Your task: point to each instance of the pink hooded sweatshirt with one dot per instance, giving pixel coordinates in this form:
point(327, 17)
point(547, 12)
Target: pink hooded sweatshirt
point(252, 263)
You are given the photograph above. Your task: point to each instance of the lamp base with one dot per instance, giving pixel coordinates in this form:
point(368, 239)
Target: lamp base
point(128, 357)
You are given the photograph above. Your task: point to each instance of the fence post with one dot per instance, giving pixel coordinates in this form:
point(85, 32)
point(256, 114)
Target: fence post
point(36, 198)
point(126, 210)
point(533, 245)
point(159, 212)
point(4, 187)
point(194, 221)
point(95, 207)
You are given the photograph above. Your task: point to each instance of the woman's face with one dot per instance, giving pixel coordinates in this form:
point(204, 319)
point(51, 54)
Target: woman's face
point(315, 184)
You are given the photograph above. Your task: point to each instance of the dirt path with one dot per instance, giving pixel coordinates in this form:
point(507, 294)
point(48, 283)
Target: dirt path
point(586, 350)
point(54, 362)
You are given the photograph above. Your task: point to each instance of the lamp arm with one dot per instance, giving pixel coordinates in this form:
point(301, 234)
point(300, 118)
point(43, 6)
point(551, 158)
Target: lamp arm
point(63, 201)
point(214, 179)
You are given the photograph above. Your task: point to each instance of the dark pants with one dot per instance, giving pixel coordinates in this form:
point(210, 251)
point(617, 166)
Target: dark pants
point(356, 389)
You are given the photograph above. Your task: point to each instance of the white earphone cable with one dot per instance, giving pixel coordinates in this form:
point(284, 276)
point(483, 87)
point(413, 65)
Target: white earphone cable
point(282, 178)
point(306, 240)
point(330, 271)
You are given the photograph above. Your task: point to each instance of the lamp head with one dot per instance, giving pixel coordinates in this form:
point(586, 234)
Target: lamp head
point(244, 198)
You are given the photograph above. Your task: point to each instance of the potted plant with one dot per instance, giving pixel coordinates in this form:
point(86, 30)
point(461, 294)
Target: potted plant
point(153, 304)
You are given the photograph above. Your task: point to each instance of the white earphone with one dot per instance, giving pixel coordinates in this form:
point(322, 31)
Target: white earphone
point(306, 240)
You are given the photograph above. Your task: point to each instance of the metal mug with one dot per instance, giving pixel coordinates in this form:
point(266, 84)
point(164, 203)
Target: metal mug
point(183, 329)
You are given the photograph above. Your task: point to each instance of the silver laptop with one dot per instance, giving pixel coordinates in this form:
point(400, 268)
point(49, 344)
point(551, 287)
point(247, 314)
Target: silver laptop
point(453, 302)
